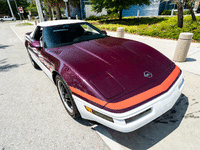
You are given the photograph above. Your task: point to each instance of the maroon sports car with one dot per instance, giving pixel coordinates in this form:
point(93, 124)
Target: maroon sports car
point(120, 83)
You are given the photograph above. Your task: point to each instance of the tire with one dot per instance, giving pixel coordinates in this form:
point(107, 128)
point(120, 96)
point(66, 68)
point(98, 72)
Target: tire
point(33, 62)
point(66, 97)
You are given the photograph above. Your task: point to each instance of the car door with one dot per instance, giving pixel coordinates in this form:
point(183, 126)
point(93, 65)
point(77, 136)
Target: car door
point(38, 52)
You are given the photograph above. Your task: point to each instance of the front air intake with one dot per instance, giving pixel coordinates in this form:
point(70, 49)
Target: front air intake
point(138, 116)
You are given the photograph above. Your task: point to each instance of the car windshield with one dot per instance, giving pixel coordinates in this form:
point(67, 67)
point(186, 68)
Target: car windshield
point(62, 35)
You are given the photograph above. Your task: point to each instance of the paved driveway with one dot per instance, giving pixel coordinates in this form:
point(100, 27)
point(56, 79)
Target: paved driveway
point(31, 113)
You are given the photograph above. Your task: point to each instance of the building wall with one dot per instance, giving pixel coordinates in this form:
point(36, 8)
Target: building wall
point(89, 12)
point(151, 10)
point(74, 11)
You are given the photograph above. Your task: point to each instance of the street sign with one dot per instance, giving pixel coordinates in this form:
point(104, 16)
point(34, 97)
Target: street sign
point(20, 9)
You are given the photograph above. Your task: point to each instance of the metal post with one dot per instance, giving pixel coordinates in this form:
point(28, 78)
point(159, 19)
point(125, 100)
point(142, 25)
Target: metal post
point(138, 13)
point(172, 13)
point(81, 10)
point(66, 9)
point(39, 11)
point(10, 8)
point(52, 13)
point(17, 10)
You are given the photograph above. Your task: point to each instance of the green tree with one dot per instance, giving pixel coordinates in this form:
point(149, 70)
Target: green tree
point(32, 8)
point(57, 4)
point(116, 5)
point(180, 5)
point(5, 10)
point(49, 4)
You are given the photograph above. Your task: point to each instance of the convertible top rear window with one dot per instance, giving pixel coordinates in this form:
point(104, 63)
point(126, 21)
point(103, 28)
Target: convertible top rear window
point(62, 35)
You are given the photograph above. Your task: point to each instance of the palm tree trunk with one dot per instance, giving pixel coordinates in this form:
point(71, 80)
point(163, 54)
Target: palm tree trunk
point(50, 12)
point(68, 10)
point(120, 14)
point(58, 16)
point(191, 11)
point(180, 14)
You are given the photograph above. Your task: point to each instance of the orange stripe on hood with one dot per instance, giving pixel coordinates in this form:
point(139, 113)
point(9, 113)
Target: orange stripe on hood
point(147, 94)
point(135, 99)
point(87, 96)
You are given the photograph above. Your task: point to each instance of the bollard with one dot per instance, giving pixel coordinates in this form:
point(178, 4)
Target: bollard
point(120, 32)
point(76, 17)
point(69, 18)
point(138, 13)
point(182, 46)
point(172, 13)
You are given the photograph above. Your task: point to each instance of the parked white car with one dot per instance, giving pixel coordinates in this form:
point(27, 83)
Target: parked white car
point(7, 18)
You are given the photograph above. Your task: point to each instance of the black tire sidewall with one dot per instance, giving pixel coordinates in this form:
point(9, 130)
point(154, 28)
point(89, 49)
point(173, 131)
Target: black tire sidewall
point(75, 112)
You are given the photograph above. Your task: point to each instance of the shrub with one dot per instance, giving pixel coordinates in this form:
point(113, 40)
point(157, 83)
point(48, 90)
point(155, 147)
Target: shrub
point(113, 16)
point(104, 17)
point(166, 12)
point(92, 18)
point(186, 12)
point(24, 24)
point(165, 27)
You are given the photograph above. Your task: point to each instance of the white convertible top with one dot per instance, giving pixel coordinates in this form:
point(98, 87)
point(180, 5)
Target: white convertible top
point(59, 22)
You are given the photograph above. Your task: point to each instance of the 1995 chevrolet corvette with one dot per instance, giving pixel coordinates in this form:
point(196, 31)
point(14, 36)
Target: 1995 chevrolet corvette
point(120, 83)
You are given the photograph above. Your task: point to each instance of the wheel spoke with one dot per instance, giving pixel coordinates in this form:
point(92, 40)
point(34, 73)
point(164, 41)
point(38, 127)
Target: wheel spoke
point(62, 89)
point(67, 96)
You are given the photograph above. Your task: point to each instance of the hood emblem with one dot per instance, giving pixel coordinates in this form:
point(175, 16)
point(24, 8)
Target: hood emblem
point(148, 74)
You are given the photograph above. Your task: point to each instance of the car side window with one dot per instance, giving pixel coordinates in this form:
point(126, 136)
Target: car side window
point(38, 33)
point(89, 30)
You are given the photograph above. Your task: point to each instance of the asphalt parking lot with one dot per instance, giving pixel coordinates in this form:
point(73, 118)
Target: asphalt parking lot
point(32, 116)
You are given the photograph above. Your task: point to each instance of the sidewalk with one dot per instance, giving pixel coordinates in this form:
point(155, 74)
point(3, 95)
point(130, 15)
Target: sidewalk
point(166, 47)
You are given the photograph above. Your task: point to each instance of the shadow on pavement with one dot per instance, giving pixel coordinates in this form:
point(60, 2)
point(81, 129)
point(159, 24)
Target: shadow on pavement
point(6, 67)
point(190, 60)
point(3, 46)
point(83, 121)
point(152, 133)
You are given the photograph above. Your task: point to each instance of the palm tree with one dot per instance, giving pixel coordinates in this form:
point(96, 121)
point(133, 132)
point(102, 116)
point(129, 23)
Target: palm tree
point(49, 4)
point(189, 4)
point(57, 4)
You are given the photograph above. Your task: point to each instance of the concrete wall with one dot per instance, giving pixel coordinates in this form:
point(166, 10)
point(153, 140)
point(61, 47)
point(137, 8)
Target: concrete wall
point(89, 12)
point(74, 11)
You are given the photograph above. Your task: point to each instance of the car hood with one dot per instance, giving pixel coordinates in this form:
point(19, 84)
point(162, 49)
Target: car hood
point(114, 66)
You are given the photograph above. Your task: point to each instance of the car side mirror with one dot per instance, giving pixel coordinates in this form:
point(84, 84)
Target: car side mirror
point(36, 44)
point(104, 32)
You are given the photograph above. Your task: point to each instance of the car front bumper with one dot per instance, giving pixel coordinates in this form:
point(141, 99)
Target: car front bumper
point(137, 117)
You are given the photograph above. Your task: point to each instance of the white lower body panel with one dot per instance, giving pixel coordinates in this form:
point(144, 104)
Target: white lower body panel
point(158, 106)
